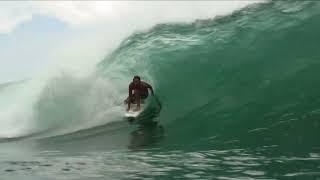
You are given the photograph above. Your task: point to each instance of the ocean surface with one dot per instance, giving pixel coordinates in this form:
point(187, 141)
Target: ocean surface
point(237, 97)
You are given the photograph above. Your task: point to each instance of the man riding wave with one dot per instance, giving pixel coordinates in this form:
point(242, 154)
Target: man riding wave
point(138, 90)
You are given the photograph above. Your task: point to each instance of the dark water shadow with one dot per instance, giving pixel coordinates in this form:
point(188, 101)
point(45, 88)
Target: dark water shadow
point(149, 131)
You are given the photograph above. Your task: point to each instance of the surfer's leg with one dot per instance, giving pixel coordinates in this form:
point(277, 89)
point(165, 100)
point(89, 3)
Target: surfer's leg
point(132, 100)
point(143, 96)
point(126, 101)
point(137, 99)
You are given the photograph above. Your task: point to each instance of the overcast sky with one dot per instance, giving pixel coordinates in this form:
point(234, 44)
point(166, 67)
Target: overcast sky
point(36, 34)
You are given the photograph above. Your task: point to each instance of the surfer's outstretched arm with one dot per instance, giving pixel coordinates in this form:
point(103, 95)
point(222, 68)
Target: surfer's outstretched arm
point(150, 87)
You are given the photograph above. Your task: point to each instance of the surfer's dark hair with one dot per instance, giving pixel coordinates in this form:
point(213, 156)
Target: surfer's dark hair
point(136, 77)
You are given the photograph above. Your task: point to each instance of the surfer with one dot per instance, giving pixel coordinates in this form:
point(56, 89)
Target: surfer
point(137, 90)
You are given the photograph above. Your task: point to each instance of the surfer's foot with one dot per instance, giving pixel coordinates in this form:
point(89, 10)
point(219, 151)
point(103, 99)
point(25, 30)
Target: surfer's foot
point(137, 109)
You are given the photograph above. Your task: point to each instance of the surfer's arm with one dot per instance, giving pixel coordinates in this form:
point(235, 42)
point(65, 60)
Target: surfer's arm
point(150, 87)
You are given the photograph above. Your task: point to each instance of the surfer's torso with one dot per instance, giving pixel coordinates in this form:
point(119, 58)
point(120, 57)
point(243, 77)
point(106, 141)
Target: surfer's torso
point(142, 87)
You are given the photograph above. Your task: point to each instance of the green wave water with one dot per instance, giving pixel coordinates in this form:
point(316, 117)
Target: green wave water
point(239, 95)
point(249, 79)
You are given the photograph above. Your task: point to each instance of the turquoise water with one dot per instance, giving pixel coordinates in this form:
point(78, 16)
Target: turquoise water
point(239, 95)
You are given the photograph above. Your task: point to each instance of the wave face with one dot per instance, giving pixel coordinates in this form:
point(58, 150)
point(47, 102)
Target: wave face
point(240, 99)
point(248, 79)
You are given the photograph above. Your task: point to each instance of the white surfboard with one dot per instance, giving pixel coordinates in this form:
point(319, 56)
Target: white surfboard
point(132, 113)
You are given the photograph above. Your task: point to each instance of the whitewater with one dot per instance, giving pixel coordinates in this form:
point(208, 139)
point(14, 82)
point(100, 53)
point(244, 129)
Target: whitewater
point(239, 100)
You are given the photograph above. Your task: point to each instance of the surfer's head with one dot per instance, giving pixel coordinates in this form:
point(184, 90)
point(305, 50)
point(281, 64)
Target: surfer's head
point(136, 79)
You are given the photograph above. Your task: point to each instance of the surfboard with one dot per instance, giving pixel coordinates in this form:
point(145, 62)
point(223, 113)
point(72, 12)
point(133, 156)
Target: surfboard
point(131, 113)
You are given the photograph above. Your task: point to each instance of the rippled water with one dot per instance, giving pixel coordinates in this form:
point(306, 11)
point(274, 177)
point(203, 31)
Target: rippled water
point(158, 164)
